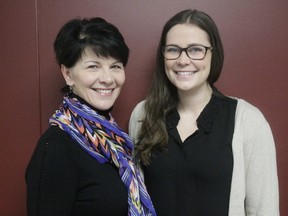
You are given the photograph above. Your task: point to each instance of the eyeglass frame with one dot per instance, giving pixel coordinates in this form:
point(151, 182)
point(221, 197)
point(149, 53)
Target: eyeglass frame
point(185, 50)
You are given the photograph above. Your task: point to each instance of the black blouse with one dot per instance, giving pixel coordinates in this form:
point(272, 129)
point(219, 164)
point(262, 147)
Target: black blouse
point(193, 178)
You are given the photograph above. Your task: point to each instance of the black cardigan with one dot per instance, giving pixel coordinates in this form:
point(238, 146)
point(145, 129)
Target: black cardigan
point(62, 179)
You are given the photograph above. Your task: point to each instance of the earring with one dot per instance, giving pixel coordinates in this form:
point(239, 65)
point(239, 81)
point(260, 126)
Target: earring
point(70, 89)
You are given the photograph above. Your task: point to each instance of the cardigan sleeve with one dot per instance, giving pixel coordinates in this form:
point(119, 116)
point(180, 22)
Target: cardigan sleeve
point(134, 127)
point(261, 181)
point(135, 121)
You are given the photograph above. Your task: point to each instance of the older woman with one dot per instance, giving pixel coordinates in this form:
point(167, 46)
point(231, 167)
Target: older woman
point(83, 163)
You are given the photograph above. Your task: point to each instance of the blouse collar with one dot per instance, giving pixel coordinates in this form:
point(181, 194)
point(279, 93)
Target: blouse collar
point(205, 119)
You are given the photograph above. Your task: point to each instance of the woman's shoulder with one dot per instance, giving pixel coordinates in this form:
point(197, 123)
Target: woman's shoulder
point(243, 106)
point(53, 147)
point(55, 135)
point(135, 120)
point(139, 108)
point(249, 116)
point(246, 108)
point(138, 111)
point(55, 139)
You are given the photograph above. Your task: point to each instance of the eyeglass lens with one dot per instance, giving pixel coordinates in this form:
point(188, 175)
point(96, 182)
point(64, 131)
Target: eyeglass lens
point(195, 52)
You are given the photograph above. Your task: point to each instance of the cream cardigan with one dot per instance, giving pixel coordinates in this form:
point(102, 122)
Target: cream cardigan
point(254, 187)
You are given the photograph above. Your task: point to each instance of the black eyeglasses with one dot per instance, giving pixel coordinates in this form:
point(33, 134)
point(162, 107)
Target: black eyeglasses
point(194, 52)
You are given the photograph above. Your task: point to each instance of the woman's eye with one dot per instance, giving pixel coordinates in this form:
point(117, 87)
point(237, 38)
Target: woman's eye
point(172, 50)
point(92, 67)
point(195, 49)
point(117, 67)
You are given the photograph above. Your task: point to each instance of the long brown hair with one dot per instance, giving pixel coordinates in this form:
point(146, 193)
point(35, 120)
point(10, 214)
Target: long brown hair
point(163, 97)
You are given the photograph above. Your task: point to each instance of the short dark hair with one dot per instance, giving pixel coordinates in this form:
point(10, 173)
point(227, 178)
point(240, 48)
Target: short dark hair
point(104, 38)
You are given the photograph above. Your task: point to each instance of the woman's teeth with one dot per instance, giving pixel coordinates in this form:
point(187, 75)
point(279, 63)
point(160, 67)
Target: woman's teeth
point(104, 91)
point(184, 72)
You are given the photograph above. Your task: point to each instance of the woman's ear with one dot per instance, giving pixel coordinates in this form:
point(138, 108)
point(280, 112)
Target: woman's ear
point(67, 75)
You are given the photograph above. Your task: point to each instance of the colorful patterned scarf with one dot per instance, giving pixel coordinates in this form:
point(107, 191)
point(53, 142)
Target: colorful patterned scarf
point(107, 143)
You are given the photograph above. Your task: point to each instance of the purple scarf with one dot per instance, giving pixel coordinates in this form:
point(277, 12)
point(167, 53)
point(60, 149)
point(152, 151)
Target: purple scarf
point(107, 143)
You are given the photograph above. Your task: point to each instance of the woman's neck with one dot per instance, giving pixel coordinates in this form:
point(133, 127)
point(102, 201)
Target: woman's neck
point(194, 101)
point(104, 113)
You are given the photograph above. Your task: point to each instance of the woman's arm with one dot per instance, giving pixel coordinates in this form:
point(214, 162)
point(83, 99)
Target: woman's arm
point(135, 121)
point(262, 193)
point(51, 178)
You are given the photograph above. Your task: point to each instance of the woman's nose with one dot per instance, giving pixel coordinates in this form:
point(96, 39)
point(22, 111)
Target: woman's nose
point(106, 76)
point(183, 59)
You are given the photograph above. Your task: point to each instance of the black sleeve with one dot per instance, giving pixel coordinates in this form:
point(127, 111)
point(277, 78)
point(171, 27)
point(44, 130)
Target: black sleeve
point(51, 175)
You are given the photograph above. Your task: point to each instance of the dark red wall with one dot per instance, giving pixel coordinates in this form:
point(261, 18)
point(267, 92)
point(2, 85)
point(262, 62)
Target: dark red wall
point(254, 34)
point(19, 101)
